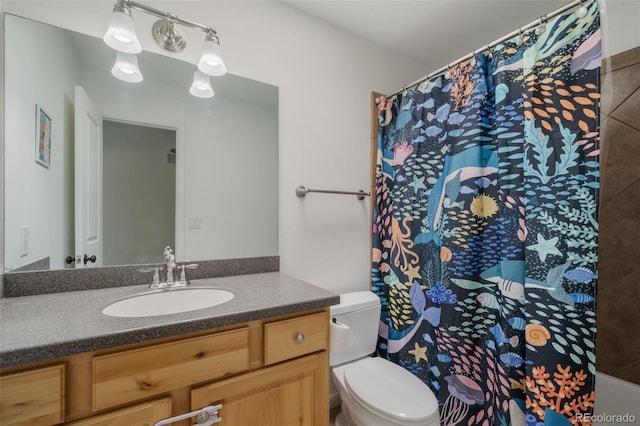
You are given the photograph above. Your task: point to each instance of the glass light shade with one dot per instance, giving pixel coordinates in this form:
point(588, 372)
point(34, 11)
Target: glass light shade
point(121, 34)
point(201, 86)
point(211, 62)
point(126, 68)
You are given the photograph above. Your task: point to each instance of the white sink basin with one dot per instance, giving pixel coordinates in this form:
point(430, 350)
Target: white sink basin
point(170, 301)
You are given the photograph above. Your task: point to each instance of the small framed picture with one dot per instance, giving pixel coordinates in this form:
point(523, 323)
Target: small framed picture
point(43, 137)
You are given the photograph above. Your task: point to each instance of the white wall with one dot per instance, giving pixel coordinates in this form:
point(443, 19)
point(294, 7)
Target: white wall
point(620, 25)
point(238, 211)
point(325, 78)
point(44, 212)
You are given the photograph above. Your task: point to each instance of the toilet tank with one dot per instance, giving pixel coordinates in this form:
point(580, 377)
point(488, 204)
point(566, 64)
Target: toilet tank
point(360, 312)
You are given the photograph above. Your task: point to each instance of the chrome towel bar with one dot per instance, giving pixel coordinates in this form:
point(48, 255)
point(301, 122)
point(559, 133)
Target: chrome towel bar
point(302, 190)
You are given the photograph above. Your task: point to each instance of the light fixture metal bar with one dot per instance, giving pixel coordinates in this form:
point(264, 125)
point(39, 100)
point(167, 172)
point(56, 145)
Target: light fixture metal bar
point(168, 15)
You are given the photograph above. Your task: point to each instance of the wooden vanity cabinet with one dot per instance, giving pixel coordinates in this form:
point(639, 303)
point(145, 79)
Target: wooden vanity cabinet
point(34, 396)
point(139, 373)
point(286, 394)
point(142, 414)
point(267, 372)
point(291, 391)
point(286, 339)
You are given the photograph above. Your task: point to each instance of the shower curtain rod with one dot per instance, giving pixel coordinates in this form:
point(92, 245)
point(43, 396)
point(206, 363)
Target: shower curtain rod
point(521, 30)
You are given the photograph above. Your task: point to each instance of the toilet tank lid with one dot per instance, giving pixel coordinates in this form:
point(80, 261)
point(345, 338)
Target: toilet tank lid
point(355, 301)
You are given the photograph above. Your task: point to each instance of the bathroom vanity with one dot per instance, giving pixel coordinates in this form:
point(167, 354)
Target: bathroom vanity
point(263, 356)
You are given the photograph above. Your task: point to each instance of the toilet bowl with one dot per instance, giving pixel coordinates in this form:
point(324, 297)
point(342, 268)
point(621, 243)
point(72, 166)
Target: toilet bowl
point(378, 392)
point(373, 391)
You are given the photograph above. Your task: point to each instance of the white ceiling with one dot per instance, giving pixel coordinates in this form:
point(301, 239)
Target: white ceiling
point(431, 32)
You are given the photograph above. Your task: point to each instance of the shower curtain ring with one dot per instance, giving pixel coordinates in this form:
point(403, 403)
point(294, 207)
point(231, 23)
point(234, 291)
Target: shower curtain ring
point(582, 10)
point(542, 27)
point(487, 49)
point(447, 75)
point(520, 38)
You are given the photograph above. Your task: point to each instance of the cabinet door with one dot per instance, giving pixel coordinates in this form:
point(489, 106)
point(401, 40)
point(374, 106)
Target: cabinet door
point(34, 397)
point(143, 414)
point(290, 393)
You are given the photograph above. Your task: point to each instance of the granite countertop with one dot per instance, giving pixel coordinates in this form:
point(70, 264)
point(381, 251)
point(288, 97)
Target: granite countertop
point(42, 327)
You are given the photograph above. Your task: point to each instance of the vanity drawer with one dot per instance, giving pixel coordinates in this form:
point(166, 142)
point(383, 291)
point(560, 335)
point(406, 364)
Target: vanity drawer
point(140, 373)
point(291, 338)
point(146, 413)
point(35, 397)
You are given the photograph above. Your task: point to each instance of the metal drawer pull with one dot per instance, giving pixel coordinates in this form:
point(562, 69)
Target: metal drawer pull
point(205, 416)
point(300, 338)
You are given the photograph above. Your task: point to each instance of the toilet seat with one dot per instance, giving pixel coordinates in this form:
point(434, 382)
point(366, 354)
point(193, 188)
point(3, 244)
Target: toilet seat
point(390, 391)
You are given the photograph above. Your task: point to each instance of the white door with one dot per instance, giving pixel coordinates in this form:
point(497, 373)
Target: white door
point(88, 181)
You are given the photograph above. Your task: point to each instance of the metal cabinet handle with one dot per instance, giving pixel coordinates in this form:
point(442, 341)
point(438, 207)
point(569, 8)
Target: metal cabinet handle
point(300, 338)
point(205, 416)
point(91, 259)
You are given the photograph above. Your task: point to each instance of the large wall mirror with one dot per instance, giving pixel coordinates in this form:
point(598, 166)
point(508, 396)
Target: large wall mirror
point(200, 175)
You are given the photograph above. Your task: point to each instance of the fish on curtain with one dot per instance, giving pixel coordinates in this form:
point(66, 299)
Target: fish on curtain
point(485, 229)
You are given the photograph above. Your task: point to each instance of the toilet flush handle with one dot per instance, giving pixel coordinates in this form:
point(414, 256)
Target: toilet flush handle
point(300, 338)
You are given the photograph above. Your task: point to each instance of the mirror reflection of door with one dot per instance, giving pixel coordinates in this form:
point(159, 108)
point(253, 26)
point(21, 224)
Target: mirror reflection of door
point(128, 169)
point(88, 182)
point(139, 191)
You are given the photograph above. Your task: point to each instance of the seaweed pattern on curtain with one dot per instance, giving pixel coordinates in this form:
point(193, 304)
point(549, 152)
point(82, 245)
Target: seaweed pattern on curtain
point(485, 229)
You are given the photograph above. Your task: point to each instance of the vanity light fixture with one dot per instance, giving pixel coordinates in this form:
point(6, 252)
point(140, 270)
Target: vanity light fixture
point(211, 62)
point(121, 36)
point(126, 68)
point(201, 86)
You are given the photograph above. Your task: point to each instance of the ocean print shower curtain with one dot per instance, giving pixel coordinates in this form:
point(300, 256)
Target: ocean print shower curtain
point(485, 229)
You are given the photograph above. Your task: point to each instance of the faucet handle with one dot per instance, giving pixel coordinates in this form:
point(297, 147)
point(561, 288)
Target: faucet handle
point(156, 275)
point(183, 273)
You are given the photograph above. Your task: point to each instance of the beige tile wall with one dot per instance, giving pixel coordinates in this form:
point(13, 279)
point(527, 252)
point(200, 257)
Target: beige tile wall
point(618, 298)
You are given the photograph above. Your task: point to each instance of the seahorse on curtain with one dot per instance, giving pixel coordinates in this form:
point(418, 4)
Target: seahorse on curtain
point(485, 229)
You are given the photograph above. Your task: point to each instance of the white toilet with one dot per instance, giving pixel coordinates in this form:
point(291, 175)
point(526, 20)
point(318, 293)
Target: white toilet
point(373, 391)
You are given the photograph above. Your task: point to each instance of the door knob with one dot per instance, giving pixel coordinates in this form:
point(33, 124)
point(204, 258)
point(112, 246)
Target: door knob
point(91, 259)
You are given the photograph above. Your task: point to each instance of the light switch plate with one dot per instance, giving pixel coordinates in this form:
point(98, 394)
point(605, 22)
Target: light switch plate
point(194, 222)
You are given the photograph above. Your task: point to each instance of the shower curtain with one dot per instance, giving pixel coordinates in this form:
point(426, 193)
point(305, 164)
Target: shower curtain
point(485, 229)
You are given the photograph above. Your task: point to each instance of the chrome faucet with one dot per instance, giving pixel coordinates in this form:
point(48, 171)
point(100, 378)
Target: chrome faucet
point(170, 264)
point(170, 260)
